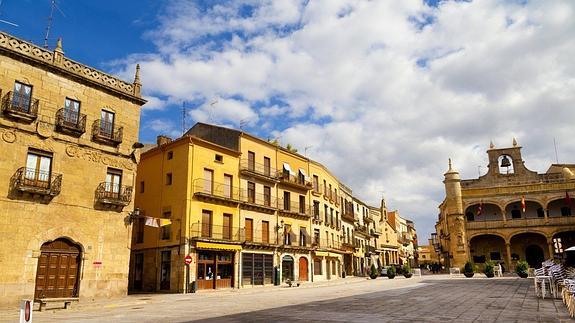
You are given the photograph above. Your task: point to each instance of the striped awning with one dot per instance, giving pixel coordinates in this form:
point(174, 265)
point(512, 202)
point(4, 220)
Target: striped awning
point(217, 246)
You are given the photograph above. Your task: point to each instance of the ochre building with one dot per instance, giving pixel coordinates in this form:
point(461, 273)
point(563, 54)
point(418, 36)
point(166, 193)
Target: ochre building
point(221, 208)
point(509, 214)
point(67, 167)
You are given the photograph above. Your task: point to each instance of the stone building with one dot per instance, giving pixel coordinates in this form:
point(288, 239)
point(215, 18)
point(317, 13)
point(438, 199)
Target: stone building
point(509, 214)
point(67, 166)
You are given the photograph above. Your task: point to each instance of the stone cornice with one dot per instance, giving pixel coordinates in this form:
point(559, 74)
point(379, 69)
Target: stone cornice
point(56, 60)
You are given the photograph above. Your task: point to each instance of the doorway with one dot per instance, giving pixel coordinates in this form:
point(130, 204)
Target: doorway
point(534, 256)
point(287, 268)
point(215, 270)
point(57, 275)
point(303, 269)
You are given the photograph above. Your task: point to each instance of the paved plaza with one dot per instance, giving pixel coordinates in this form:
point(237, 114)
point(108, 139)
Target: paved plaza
point(427, 299)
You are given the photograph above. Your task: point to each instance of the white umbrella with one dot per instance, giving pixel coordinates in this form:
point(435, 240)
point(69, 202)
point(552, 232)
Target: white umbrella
point(570, 249)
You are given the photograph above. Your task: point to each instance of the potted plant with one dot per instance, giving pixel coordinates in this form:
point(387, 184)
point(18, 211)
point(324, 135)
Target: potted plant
point(468, 269)
point(391, 272)
point(373, 272)
point(407, 271)
point(489, 269)
point(521, 268)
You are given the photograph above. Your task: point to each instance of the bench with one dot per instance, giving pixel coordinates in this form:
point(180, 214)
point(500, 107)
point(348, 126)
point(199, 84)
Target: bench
point(67, 301)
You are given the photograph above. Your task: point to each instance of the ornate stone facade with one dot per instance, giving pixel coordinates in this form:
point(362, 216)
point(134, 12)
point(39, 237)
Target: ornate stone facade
point(509, 214)
point(53, 175)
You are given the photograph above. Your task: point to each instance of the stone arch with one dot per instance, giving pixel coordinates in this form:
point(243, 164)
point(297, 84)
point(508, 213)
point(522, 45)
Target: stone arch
point(505, 170)
point(558, 207)
point(486, 246)
point(471, 236)
point(533, 209)
point(288, 267)
point(531, 246)
point(483, 211)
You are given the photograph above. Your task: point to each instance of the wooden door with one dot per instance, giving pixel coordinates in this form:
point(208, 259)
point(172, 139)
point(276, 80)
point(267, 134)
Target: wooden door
point(251, 161)
point(249, 230)
point(58, 269)
point(265, 231)
point(303, 269)
point(206, 224)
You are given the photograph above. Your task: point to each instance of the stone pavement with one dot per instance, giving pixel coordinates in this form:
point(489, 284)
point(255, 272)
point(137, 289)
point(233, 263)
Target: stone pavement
point(427, 299)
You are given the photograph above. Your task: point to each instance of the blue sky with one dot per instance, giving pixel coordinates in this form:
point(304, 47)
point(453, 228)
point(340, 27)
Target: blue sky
point(381, 92)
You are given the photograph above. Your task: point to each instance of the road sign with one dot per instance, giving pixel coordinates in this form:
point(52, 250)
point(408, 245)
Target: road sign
point(25, 311)
point(188, 259)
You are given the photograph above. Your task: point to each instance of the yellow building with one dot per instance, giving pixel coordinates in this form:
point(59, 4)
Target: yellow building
point(68, 137)
point(509, 214)
point(245, 212)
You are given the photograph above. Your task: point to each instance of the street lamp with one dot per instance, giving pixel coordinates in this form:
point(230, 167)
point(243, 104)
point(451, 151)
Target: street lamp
point(132, 216)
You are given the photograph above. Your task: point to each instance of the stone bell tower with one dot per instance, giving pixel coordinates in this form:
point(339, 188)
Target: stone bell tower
point(454, 217)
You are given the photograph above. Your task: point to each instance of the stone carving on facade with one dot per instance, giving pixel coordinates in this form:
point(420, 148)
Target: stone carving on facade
point(459, 230)
point(44, 129)
point(97, 157)
point(9, 136)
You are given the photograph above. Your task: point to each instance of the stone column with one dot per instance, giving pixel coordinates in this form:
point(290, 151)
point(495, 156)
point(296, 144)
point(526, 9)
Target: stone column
point(508, 257)
point(551, 249)
point(503, 214)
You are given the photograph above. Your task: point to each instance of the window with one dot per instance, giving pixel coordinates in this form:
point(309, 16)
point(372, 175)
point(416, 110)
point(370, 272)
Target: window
point(265, 231)
point(301, 177)
point(495, 256)
point(565, 211)
point(302, 237)
point(302, 204)
point(142, 187)
point(287, 234)
point(228, 185)
point(316, 210)
point(169, 179)
point(540, 213)
point(331, 216)
point(267, 196)
point(251, 192)
point(325, 214)
point(316, 236)
point(107, 123)
point(286, 200)
point(140, 230)
point(317, 266)
point(267, 167)
point(219, 158)
point(251, 161)
point(249, 229)
point(324, 187)
point(315, 183)
point(38, 169)
point(113, 182)
point(138, 271)
point(22, 97)
point(165, 270)
point(71, 114)
point(208, 180)
point(206, 224)
point(166, 230)
point(170, 155)
point(515, 214)
point(479, 259)
point(330, 192)
point(337, 224)
point(227, 227)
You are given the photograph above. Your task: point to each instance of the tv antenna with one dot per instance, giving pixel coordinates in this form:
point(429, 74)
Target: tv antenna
point(305, 150)
point(5, 21)
point(184, 112)
point(211, 112)
point(53, 6)
point(243, 122)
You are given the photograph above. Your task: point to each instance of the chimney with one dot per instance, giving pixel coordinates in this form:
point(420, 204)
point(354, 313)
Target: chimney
point(162, 140)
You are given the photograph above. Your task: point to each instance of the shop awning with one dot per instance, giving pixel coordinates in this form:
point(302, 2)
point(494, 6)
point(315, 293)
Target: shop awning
point(288, 169)
point(217, 246)
point(321, 253)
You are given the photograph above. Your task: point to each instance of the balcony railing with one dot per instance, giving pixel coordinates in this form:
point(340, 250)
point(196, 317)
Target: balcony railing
point(106, 132)
point(114, 194)
point(72, 122)
point(219, 191)
point(216, 232)
point(261, 237)
point(24, 108)
point(286, 206)
point(294, 239)
point(295, 181)
point(258, 200)
point(520, 223)
point(38, 182)
point(260, 170)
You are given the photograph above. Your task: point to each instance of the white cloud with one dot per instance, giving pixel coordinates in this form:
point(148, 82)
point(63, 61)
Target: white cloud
point(349, 69)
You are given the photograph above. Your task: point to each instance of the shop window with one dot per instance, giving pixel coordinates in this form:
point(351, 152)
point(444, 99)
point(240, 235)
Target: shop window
point(317, 266)
point(479, 259)
point(495, 256)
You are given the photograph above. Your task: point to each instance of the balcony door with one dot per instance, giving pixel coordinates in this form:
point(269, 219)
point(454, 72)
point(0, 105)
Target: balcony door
point(208, 181)
point(228, 186)
point(113, 182)
point(206, 224)
point(249, 230)
point(251, 161)
point(251, 192)
point(38, 168)
point(227, 229)
point(71, 112)
point(107, 123)
point(22, 97)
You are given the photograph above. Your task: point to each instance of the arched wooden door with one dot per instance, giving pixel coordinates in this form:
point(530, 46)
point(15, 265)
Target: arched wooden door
point(58, 270)
point(303, 269)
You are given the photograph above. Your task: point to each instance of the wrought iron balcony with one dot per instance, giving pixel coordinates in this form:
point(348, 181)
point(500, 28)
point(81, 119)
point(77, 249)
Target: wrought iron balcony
point(70, 122)
point(209, 231)
point(114, 194)
point(294, 209)
point(260, 171)
point(37, 182)
point(105, 132)
point(328, 244)
point(25, 109)
point(214, 191)
point(295, 240)
point(258, 201)
point(295, 181)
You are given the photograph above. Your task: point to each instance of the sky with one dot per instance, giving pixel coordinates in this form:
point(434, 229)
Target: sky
point(381, 92)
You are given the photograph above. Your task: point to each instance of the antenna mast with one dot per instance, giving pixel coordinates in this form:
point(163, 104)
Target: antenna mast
point(53, 6)
point(183, 118)
point(556, 156)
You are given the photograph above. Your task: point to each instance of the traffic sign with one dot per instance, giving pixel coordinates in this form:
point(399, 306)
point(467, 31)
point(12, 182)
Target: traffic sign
point(188, 259)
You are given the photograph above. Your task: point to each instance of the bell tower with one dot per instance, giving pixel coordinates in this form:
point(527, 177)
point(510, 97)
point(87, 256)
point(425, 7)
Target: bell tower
point(454, 216)
point(507, 161)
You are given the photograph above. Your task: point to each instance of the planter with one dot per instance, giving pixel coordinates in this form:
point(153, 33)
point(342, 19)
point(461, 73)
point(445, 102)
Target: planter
point(407, 275)
point(490, 275)
point(469, 275)
point(522, 274)
point(373, 277)
point(391, 276)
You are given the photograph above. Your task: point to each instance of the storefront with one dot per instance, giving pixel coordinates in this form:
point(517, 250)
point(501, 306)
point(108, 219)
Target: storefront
point(257, 269)
point(215, 265)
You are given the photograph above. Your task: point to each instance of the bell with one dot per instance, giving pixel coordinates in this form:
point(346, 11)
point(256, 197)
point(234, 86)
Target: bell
point(505, 162)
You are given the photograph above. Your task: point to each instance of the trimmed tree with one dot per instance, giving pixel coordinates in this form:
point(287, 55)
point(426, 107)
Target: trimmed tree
point(373, 272)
